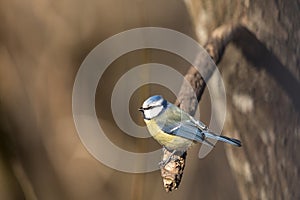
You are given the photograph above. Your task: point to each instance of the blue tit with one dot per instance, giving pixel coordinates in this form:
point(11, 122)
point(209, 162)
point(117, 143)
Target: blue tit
point(175, 129)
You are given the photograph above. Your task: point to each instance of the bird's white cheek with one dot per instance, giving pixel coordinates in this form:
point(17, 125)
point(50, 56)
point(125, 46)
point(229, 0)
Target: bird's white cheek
point(153, 112)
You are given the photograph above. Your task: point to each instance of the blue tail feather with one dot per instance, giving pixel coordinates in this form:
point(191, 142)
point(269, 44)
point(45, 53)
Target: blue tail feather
point(223, 138)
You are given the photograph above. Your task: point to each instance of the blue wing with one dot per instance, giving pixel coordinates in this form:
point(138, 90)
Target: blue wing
point(186, 129)
point(176, 122)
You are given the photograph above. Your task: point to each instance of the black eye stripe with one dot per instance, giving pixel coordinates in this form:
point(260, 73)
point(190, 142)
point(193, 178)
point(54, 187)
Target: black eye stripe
point(147, 108)
point(150, 107)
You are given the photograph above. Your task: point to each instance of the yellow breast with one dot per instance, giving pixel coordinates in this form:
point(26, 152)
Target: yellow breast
point(169, 141)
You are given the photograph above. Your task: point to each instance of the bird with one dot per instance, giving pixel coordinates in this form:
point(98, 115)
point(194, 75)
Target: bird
point(175, 129)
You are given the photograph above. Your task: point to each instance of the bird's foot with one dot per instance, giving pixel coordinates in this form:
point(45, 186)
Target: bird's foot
point(163, 163)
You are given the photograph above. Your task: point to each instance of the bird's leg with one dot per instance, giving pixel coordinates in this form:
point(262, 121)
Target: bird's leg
point(164, 162)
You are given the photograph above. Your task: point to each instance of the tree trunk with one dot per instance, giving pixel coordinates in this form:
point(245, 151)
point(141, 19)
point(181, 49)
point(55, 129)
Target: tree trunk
point(260, 68)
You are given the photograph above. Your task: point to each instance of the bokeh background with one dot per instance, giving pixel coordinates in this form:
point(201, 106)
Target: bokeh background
point(43, 43)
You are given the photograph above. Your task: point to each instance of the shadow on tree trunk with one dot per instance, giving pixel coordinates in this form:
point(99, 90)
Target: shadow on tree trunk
point(260, 57)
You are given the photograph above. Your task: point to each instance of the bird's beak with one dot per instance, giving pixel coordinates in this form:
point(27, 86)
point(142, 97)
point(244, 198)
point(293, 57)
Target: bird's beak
point(141, 109)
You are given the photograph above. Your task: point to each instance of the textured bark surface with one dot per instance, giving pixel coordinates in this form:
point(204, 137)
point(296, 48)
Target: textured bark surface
point(261, 73)
point(172, 172)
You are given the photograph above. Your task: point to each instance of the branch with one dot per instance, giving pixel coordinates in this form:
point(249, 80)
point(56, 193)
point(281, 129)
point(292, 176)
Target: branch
point(172, 172)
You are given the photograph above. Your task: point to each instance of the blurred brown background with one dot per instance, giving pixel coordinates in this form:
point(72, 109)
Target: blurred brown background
point(42, 44)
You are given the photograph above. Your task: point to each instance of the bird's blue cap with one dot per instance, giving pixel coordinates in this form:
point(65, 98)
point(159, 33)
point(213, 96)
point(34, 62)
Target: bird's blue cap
point(155, 99)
